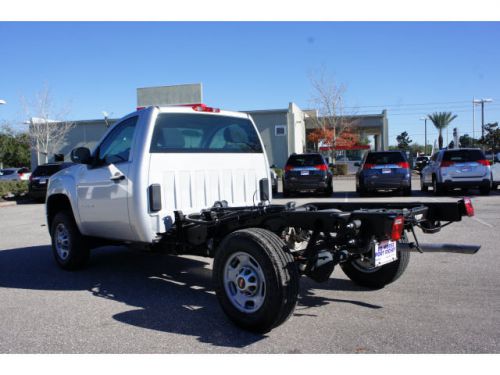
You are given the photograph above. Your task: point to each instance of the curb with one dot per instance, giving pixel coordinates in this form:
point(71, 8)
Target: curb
point(7, 204)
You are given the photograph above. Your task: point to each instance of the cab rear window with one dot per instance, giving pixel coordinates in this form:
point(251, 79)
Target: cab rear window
point(463, 155)
point(384, 158)
point(189, 133)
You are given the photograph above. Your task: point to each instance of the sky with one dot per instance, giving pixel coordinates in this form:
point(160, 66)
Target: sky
point(409, 68)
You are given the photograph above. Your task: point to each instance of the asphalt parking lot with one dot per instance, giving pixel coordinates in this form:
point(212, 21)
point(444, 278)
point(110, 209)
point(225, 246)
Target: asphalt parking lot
point(129, 301)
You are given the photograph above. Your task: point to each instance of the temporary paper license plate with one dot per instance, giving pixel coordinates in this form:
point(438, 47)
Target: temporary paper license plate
point(385, 252)
point(42, 181)
point(304, 173)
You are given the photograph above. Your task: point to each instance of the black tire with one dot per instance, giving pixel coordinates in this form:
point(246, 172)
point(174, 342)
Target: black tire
point(484, 190)
point(75, 253)
point(328, 191)
point(423, 188)
point(377, 278)
point(276, 265)
point(436, 187)
point(286, 193)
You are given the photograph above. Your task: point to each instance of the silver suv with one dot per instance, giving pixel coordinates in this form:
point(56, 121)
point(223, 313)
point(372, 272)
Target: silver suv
point(457, 168)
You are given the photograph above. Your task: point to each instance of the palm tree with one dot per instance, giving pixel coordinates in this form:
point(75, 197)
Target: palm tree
point(441, 120)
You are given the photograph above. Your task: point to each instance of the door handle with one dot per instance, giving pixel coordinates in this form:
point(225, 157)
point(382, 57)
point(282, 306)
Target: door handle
point(117, 177)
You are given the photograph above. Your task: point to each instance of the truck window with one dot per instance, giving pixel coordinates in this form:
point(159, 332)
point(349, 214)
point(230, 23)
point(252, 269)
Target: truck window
point(116, 146)
point(186, 133)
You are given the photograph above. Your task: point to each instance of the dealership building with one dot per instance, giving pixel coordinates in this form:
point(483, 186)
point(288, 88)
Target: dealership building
point(283, 131)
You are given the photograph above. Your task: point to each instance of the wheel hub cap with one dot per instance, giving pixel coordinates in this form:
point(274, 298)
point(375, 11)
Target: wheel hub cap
point(244, 282)
point(62, 241)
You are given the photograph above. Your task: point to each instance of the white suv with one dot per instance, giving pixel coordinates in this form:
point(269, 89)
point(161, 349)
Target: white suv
point(457, 168)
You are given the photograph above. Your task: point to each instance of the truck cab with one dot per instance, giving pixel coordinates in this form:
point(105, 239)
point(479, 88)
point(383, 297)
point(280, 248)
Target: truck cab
point(158, 160)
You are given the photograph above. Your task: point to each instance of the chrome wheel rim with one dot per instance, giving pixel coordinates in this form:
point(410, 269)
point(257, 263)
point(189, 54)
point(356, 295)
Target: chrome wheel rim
point(244, 282)
point(62, 241)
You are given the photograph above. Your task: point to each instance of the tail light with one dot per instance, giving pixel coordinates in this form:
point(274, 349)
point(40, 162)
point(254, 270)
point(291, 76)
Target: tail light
point(397, 228)
point(368, 166)
point(204, 108)
point(20, 174)
point(404, 164)
point(446, 163)
point(469, 209)
point(288, 168)
point(321, 167)
point(484, 162)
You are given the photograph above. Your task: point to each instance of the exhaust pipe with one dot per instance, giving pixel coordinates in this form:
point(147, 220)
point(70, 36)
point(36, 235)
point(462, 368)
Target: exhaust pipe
point(439, 248)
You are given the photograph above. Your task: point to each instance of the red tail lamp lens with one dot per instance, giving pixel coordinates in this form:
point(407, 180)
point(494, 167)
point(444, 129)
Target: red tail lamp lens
point(486, 163)
point(446, 163)
point(321, 167)
point(469, 209)
point(368, 166)
point(404, 164)
point(288, 168)
point(397, 228)
point(204, 108)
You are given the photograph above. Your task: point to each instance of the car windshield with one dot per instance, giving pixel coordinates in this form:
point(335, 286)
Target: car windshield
point(180, 132)
point(6, 172)
point(460, 156)
point(384, 158)
point(305, 160)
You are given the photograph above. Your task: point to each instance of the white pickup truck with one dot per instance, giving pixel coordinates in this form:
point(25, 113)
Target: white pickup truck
point(195, 180)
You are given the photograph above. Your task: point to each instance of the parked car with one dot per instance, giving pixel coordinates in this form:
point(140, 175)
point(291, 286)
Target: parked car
point(383, 170)
point(457, 168)
point(15, 174)
point(421, 162)
point(307, 172)
point(40, 177)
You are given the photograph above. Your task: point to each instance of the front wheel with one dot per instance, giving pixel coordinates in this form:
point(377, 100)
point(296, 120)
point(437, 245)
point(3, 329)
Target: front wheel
point(69, 247)
point(363, 274)
point(256, 279)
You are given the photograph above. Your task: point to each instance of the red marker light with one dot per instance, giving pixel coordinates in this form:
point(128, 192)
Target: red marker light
point(321, 167)
point(469, 209)
point(397, 228)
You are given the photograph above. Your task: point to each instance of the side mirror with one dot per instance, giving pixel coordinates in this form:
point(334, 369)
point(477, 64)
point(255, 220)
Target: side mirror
point(81, 155)
point(357, 164)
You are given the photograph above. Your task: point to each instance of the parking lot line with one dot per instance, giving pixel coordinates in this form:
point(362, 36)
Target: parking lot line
point(482, 222)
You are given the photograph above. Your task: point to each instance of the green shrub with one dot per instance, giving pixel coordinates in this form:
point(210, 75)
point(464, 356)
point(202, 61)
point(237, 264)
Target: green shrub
point(340, 169)
point(13, 187)
point(279, 172)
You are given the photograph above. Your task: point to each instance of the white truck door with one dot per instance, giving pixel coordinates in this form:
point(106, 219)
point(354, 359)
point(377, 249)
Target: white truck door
point(103, 187)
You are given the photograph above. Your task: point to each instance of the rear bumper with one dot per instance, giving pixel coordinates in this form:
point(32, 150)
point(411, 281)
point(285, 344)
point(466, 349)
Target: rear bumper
point(305, 185)
point(373, 184)
point(466, 184)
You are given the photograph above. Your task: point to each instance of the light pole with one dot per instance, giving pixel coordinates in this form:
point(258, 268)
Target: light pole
point(482, 101)
point(425, 143)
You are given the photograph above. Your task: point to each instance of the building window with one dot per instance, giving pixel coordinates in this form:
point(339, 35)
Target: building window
point(280, 130)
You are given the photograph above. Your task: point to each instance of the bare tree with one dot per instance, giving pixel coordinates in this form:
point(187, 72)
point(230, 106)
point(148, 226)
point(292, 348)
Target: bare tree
point(330, 121)
point(48, 127)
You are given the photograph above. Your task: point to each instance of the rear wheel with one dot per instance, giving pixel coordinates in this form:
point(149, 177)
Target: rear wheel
point(362, 273)
point(256, 279)
point(484, 190)
point(438, 189)
point(329, 190)
point(423, 187)
point(69, 247)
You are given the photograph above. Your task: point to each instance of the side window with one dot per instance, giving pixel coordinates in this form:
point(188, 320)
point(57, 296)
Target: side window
point(116, 146)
